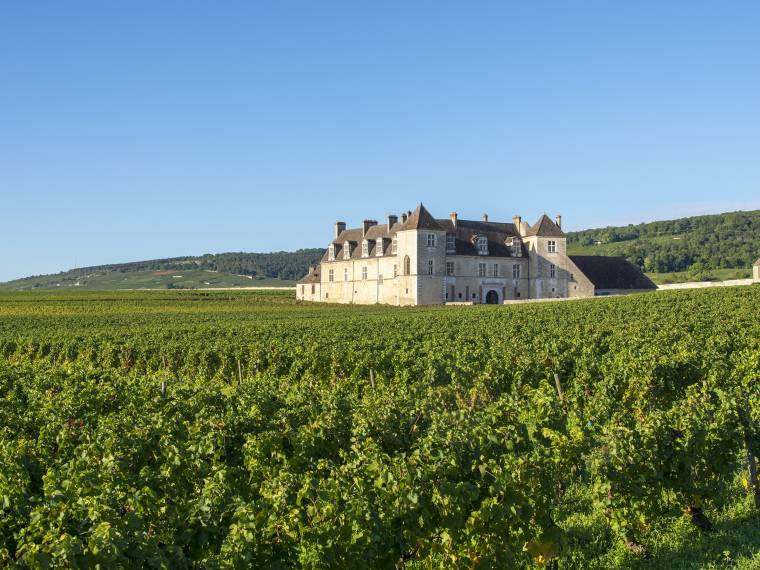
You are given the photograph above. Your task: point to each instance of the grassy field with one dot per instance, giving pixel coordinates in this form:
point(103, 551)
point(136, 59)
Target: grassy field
point(246, 429)
point(115, 280)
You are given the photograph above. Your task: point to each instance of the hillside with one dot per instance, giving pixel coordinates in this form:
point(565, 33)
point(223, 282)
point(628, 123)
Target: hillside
point(713, 247)
point(223, 270)
point(720, 246)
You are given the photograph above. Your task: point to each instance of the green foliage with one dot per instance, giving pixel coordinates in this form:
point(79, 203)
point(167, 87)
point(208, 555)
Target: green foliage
point(280, 268)
point(189, 429)
point(699, 244)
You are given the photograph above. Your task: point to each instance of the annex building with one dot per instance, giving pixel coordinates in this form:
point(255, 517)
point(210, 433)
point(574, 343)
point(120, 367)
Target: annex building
point(420, 260)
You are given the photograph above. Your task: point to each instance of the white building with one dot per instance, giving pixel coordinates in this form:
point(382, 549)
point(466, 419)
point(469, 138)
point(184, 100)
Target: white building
point(419, 260)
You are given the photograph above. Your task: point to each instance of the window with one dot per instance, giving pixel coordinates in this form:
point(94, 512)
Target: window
point(301, 289)
point(515, 271)
point(449, 268)
point(407, 266)
point(481, 269)
point(451, 242)
point(552, 271)
point(430, 266)
point(431, 241)
point(495, 269)
point(379, 279)
point(379, 247)
point(552, 246)
point(312, 289)
point(516, 248)
point(331, 254)
point(395, 270)
point(331, 276)
point(394, 246)
point(345, 275)
point(364, 273)
point(482, 245)
point(347, 250)
point(365, 248)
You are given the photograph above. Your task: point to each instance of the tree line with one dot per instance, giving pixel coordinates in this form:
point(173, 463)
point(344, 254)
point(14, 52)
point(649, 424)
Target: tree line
point(730, 240)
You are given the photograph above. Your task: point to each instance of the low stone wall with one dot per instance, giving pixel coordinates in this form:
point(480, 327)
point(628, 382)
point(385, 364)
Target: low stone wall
point(700, 284)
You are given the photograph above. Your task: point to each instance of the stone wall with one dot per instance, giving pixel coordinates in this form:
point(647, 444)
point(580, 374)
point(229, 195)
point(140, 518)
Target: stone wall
point(542, 285)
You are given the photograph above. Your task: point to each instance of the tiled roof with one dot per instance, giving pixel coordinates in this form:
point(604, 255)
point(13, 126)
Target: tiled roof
point(421, 219)
point(356, 235)
point(311, 277)
point(757, 261)
point(544, 227)
point(466, 232)
point(612, 272)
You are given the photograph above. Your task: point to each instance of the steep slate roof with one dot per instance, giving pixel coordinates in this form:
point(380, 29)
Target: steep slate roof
point(544, 227)
point(466, 231)
point(612, 272)
point(311, 277)
point(421, 219)
point(356, 236)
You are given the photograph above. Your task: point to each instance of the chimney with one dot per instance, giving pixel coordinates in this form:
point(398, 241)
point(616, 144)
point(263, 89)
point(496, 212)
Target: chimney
point(339, 227)
point(558, 221)
point(404, 217)
point(367, 224)
point(392, 219)
point(516, 220)
point(454, 218)
point(485, 217)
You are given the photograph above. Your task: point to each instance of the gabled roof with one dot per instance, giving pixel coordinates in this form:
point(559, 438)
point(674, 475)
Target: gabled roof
point(421, 219)
point(544, 227)
point(612, 272)
point(757, 261)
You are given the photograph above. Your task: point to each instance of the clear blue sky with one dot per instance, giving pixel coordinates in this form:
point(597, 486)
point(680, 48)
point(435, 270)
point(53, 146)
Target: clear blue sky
point(134, 130)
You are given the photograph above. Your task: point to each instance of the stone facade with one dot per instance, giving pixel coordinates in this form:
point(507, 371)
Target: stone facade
point(418, 260)
point(756, 271)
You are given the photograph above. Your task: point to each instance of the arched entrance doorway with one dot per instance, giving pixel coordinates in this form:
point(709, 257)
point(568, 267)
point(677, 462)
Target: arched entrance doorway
point(492, 297)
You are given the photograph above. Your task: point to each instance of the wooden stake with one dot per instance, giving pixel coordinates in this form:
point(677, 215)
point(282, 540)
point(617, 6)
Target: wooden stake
point(240, 372)
point(372, 378)
point(559, 389)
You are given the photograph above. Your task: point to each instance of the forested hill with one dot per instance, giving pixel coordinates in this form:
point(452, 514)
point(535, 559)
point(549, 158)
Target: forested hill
point(698, 243)
point(233, 269)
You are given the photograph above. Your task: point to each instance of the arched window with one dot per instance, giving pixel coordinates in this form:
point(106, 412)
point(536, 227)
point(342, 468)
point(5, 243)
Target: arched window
point(407, 266)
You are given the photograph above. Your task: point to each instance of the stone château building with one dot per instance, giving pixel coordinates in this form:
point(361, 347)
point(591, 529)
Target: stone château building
point(756, 271)
point(419, 260)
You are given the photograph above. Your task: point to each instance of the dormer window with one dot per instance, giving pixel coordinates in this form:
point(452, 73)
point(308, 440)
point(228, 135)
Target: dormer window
point(347, 250)
point(431, 240)
point(516, 247)
point(379, 247)
point(451, 241)
point(482, 245)
point(331, 252)
point(394, 246)
point(365, 248)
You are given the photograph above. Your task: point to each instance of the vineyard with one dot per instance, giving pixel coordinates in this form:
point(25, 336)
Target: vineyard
point(232, 430)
